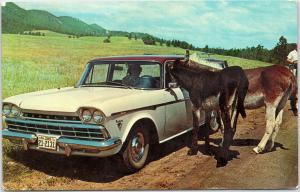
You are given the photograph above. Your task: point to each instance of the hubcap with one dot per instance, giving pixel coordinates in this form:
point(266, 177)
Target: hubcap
point(137, 147)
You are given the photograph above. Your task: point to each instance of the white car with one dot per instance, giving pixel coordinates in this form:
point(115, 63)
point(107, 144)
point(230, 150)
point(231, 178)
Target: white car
point(110, 111)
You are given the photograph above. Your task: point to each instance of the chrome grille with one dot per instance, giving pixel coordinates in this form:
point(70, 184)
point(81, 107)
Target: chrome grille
point(57, 127)
point(51, 117)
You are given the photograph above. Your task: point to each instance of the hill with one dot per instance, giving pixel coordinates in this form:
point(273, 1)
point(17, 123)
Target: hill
point(97, 27)
point(14, 19)
point(17, 20)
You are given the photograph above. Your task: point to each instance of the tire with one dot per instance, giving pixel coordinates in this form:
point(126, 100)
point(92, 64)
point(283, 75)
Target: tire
point(136, 149)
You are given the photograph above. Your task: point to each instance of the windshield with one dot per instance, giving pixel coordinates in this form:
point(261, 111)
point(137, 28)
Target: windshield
point(127, 74)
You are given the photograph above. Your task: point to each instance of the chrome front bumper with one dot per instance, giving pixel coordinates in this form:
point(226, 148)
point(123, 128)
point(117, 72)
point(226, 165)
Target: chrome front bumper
point(67, 146)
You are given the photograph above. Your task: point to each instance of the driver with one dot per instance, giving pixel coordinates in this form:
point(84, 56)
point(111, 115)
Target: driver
point(133, 73)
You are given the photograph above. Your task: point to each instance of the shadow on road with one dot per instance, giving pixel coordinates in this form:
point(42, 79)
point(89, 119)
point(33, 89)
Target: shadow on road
point(91, 169)
point(103, 170)
point(248, 142)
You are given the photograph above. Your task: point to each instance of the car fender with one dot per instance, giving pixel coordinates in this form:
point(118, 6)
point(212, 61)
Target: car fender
point(134, 119)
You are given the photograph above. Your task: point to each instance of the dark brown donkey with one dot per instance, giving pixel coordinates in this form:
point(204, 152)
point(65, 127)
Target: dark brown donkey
point(223, 90)
point(271, 87)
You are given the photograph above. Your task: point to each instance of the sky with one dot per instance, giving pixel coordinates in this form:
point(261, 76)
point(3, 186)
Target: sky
point(223, 23)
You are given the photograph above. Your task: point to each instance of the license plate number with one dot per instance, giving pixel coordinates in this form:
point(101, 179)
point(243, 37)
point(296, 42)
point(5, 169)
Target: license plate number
point(47, 142)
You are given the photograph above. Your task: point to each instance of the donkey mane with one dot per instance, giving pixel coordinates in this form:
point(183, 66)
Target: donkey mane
point(194, 67)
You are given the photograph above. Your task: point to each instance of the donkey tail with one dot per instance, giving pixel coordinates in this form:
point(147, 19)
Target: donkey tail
point(242, 92)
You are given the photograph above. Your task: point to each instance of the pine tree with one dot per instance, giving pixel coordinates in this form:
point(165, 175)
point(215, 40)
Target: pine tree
point(280, 51)
point(205, 49)
point(168, 43)
point(148, 40)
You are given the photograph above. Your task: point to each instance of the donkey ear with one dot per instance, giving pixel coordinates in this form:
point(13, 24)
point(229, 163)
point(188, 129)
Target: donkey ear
point(187, 55)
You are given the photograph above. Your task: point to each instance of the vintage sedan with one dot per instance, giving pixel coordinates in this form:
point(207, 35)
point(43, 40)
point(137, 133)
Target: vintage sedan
point(120, 105)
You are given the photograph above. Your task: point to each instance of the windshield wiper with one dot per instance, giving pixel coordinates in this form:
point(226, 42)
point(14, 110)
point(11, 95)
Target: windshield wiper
point(106, 84)
point(121, 84)
point(93, 85)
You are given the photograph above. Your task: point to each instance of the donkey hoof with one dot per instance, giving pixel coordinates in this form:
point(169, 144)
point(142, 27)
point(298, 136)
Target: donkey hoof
point(208, 152)
point(269, 147)
point(221, 162)
point(192, 152)
point(257, 150)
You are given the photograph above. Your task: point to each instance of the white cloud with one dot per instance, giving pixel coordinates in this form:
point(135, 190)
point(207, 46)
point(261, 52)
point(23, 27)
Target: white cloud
point(215, 22)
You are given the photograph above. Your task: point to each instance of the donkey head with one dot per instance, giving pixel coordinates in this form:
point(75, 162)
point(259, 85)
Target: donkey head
point(172, 67)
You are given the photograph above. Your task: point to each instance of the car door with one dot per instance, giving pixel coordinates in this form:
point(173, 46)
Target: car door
point(178, 112)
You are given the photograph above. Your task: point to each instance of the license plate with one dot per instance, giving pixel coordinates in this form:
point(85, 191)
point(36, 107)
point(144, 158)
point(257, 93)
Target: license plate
point(46, 142)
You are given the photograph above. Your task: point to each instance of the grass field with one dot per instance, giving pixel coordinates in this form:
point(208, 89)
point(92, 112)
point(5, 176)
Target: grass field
point(33, 63)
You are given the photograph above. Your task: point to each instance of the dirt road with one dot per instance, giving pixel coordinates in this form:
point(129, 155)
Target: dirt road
point(169, 167)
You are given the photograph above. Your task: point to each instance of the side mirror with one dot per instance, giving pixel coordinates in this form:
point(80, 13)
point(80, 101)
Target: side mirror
point(172, 85)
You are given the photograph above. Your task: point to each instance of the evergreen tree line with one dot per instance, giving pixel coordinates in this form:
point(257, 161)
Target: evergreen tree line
point(150, 40)
point(277, 55)
point(75, 36)
point(32, 33)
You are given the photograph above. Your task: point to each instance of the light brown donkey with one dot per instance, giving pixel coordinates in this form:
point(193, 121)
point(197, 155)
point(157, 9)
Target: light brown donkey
point(271, 87)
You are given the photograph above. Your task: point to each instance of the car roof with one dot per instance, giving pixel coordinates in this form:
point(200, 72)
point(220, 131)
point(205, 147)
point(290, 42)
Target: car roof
point(157, 58)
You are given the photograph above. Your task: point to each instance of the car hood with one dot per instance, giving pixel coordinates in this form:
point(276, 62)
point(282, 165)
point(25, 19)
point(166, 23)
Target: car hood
point(69, 99)
point(107, 99)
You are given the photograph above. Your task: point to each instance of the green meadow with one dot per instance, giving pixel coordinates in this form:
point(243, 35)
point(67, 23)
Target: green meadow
point(31, 63)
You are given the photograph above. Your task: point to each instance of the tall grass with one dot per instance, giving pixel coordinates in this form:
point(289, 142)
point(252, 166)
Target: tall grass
point(33, 63)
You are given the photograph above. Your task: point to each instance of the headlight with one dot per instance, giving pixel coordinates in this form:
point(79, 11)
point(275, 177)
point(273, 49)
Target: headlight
point(97, 116)
point(91, 115)
point(15, 111)
point(6, 109)
point(86, 115)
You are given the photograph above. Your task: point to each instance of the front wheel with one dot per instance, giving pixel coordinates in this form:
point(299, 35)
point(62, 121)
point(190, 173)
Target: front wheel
point(136, 149)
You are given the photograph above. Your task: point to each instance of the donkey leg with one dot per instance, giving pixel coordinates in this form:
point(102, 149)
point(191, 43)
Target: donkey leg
point(275, 132)
point(220, 122)
point(196, 123)
point(234, 119)
point(270, 125)
point(206, 132)
point(293, 103)
point(234, 114)
point(227, 137)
